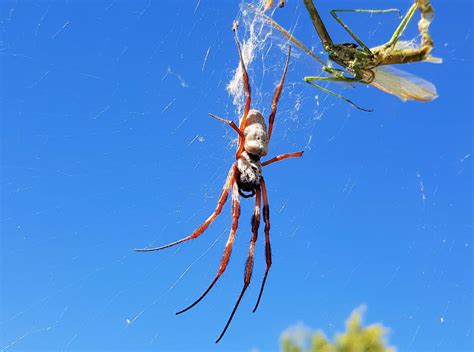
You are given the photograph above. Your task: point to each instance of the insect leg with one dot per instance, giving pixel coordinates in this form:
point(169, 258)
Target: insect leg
point(220, 204)
point(401, 27)
point(228, 246)
point(249, 264)
point(268, 249)
point(282, 157)
point(348, 30)
point(318, 25)
point(276, 96)
point(409, 54)
point(421, 53)
point(412, 54)
point(310, 80)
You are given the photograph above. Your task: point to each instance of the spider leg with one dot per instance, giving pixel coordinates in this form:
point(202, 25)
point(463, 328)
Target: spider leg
point(283, 157)
point(220, 204)
point(246, 84)
point(249, 264)
point(228, 246)
point(276, 96)
point(268, 249)
point(230, 123)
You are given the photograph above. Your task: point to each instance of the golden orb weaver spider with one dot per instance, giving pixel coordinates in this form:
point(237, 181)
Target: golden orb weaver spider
point(244, 179)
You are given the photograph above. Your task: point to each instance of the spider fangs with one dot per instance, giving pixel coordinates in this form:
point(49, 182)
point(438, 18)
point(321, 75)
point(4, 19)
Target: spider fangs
point(244, 179)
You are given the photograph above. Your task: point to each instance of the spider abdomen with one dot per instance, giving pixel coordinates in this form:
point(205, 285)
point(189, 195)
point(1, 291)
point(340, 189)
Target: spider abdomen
point(249, 172)
point(256, 135)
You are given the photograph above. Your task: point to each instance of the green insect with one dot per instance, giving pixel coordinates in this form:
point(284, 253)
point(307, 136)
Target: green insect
point(361, 64)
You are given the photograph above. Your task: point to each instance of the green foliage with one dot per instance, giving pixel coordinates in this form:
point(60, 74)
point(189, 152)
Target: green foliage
point(356, 338)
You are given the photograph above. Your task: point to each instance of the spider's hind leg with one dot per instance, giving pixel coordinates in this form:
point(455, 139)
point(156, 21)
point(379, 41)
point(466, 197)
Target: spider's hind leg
point(228, 246)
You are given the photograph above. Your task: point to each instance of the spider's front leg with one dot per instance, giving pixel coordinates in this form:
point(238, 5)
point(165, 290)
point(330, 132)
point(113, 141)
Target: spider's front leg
point(228, 246)
point(266, 219)
point(268, 249)
point(250, 258)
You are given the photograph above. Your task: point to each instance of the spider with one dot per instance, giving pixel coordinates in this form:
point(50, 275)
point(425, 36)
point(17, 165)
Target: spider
point(244, 179)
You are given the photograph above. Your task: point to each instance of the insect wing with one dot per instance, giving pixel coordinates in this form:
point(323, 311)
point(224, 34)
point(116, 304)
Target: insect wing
point(403, 84)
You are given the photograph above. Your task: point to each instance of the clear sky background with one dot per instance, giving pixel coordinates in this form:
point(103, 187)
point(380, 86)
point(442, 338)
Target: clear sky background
point(107, 146)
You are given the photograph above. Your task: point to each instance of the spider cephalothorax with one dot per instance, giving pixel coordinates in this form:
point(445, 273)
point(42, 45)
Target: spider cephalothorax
point(249, 172)
point(244, 179)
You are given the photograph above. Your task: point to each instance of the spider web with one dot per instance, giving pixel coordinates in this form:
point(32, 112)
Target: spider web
point(107, 147)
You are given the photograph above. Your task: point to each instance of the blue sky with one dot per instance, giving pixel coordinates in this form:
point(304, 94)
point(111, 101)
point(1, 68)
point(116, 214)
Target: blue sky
point(107, 146)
